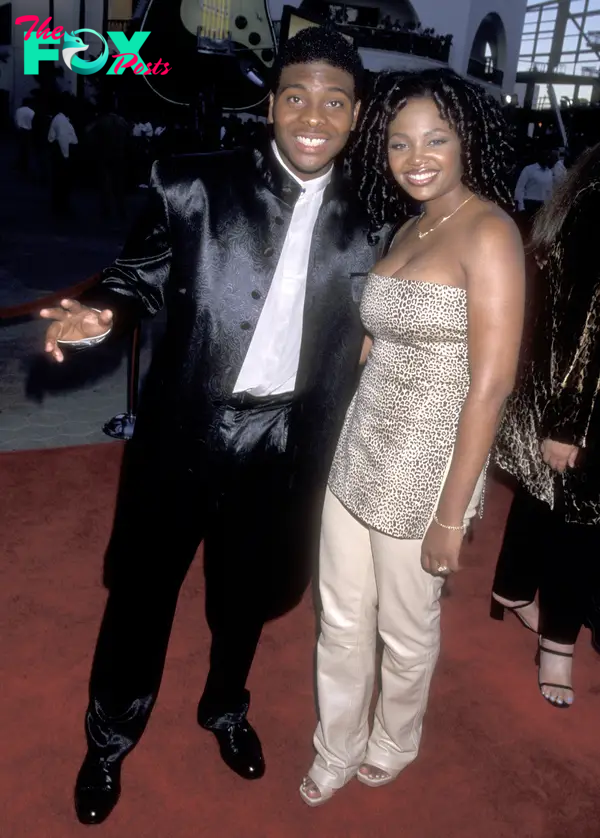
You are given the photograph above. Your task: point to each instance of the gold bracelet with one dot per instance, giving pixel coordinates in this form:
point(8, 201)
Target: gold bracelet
point(445, 526)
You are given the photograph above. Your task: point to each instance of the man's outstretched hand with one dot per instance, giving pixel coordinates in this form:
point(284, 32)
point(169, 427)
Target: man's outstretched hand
point(73, 321)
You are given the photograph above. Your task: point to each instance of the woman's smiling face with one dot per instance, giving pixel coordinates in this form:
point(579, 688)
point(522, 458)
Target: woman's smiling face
point(424, 151)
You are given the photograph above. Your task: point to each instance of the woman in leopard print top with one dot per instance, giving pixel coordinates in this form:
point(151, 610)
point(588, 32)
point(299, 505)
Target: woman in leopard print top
point(444, 312)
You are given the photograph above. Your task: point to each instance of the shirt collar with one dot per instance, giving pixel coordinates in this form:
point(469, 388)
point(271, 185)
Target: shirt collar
point(309, 187)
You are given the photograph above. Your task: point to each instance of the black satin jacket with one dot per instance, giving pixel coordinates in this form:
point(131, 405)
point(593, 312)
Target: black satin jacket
point(206, 247)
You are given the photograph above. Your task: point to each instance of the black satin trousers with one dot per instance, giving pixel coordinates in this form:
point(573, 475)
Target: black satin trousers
point(236, 491)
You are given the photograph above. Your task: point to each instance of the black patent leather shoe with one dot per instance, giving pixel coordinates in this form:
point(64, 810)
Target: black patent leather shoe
point(97, 789)
point(238, 742)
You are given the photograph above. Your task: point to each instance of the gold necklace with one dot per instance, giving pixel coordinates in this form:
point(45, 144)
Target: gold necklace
point(441, 221)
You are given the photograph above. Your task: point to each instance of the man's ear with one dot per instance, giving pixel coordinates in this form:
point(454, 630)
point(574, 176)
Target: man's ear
point(356, 113)
point(270, 119)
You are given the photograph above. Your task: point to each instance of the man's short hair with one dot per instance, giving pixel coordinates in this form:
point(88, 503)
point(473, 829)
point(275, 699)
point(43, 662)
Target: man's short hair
point(321, 44)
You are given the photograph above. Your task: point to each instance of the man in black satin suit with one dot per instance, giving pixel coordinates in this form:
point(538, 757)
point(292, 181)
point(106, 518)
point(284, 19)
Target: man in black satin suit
point(259, 258)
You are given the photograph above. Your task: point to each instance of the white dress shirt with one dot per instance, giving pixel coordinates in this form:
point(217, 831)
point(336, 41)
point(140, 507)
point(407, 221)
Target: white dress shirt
point(24, 118)
point(62, 132)
point(143, 129)
point(271, 364)
point(534, 184)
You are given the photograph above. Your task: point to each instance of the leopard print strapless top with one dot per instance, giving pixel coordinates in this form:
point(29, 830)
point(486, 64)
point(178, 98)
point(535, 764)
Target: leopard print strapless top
point(400, 428)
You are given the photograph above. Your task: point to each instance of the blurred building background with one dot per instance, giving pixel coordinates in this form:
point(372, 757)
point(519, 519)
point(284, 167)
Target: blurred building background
point(540, 56)
point(560, 54)
point(479, 38)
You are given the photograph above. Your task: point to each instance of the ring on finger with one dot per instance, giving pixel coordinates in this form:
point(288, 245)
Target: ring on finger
point(443, 570)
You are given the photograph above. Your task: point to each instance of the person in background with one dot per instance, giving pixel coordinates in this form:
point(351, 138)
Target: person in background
point(108, 141)
point(143, 129)
point(535, 184)
point(559, 170)
point(24, 117)
point(62, 137)
point(550, 441)
point(142, 133)
point(234, 130)
point(444, 310)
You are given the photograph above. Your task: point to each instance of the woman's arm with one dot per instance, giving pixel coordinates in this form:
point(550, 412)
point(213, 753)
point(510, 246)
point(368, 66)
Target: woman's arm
point(566, 418)
point(495, 268)
point(576, 330)
point(366, 348)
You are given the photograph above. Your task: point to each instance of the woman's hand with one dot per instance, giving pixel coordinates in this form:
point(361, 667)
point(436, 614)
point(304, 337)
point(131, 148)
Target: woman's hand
point(441, 549)
point(559, 455)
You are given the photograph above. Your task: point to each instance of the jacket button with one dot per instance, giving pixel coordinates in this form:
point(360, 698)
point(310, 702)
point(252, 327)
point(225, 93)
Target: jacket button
point(256, 295)
point(268, 251)
point(278, 220)
point(245, 325)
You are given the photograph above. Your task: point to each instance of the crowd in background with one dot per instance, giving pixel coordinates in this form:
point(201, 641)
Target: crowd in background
point(68, 144)
point(407, 38)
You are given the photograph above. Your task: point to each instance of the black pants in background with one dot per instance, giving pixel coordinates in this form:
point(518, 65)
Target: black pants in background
point(61, 183)
point(236, 492)
point(532, 207)
point(111, 183)
point(543, 553)
point(24, 149)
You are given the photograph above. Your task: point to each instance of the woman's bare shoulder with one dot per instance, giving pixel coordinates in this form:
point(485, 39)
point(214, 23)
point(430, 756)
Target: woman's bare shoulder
point(495, 256)
point(491, 226)
point(490, 217)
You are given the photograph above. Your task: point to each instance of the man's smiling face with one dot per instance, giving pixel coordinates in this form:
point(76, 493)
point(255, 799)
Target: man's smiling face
point(313, 112)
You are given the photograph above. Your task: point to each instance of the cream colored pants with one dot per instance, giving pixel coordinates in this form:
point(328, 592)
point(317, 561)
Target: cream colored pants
point(370, 583)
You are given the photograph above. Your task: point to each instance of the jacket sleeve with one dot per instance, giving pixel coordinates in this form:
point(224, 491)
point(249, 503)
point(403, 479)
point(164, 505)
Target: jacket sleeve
point(576, 337)
point(134, 286)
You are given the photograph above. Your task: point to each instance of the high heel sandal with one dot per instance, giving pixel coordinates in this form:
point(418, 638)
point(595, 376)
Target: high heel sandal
point(497, 610)
point(325, 793)
point(374, 782)
point(560, 704)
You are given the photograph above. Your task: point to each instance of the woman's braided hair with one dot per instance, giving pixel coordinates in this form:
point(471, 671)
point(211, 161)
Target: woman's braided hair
point(474, 115)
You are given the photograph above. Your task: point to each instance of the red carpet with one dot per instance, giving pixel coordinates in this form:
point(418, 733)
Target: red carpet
point(496, 762)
